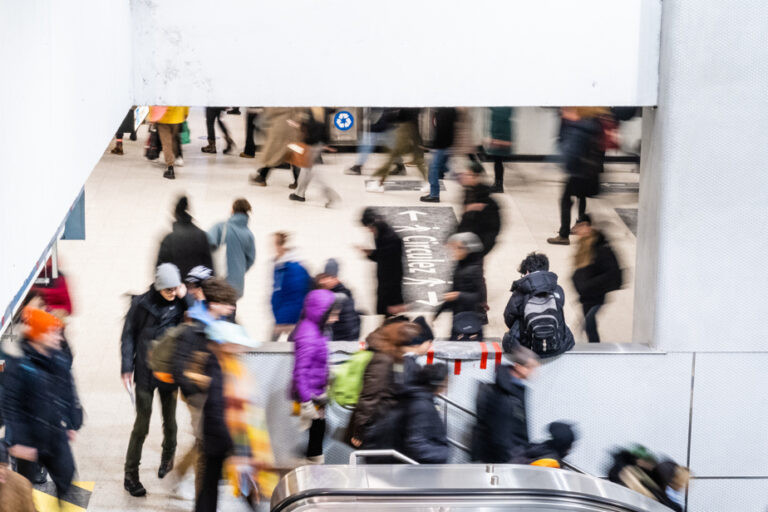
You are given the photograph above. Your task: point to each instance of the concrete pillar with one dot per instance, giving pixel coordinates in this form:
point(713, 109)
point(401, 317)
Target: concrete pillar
point(703, 213)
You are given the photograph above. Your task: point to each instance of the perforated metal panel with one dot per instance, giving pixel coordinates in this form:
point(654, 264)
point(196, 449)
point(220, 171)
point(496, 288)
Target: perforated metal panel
point(730, 414)
point(728, 496)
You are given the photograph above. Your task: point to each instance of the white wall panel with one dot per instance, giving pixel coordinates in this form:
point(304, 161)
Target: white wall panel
point(431, 52)
point(65, 88)
point(730, 415)
point(728, 496)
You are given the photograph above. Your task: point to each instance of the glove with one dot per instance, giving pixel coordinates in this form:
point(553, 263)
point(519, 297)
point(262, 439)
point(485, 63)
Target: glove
point(307, 414)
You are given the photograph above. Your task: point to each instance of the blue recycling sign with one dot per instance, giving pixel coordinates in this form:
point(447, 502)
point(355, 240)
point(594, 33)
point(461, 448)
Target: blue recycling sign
point(343, 120)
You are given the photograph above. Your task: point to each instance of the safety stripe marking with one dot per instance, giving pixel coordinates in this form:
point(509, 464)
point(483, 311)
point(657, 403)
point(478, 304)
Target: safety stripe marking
point(430, 356)
point(76, 499)
point(483, 355)
point(457, 367)
point(498, 350)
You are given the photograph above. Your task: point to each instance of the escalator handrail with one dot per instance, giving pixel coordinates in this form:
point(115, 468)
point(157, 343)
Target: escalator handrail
point(380, 453)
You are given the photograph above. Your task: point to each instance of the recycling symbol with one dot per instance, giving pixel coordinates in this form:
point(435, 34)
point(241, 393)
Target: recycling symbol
point(343, 120)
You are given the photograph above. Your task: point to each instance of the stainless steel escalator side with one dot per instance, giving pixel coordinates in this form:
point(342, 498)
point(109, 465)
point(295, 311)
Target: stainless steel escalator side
point(457, 486)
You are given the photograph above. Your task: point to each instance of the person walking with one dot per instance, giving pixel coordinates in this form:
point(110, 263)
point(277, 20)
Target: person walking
point(444, 122)
point(282, 129)
point(501, 408)
point(290, 286)
point(186, 246)
point(388, 255)
point(499, 144)
point(348, 326)
point(407, 140)
point(251, 115)
point(464, 142)
point(425, 438)
point(310, 368)
point(581, 147)
point(239, 246)
point(212, 115)
point(169, 130)
point(149, 316)
point(380, 134)
point(314, 137)
point(597, 273)
point(125, 127)
point(481, 214)
point(467, 296)
point(40, 405)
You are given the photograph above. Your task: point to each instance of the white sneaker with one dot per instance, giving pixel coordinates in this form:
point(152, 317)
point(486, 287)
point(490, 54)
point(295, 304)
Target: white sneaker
point(185, 488)
point(179, 162)
point(374, 186)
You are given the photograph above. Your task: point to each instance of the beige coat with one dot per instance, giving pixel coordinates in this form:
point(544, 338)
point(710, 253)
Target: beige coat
point(16, 494)
point(279, 133)
point(464, 141)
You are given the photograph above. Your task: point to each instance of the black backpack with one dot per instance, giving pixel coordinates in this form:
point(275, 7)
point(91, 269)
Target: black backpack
point(543, 329)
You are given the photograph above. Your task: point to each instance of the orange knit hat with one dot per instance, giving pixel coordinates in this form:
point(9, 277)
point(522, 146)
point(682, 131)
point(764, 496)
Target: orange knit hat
point(39, 322)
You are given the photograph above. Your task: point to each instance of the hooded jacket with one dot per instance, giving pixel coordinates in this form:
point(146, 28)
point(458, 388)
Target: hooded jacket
point(347, 328)
point(468, 281)
point(534, 283)
point(39, 400)
point(310, 368)
point(603, 275)
point(186, 246)
point(240, 247)
point(290, 285)
point(425, 439)
point(147, 319)
point(501, 431)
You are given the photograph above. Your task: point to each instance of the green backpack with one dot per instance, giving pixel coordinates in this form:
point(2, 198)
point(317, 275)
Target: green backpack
point(348, 378)
point(161, 353)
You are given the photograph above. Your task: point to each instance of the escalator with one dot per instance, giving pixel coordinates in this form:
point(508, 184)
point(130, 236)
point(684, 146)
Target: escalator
point(452, 487)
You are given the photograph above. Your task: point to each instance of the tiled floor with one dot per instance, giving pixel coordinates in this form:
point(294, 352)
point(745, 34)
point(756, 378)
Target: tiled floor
point(128, 210)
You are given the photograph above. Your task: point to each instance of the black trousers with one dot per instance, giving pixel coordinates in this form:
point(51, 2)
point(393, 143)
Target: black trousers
point(590, 310)
point(571, 189)
point(316, 435)
point(264, 172)
point(213, 114)
point(498, 170)
point(141, 425)
point(58, 461)
point(250, 128)
point(209, 492)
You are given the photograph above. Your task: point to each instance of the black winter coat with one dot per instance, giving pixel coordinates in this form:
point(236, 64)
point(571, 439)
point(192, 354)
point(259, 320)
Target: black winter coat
point(424, 439)
point(581, 148)
point(216, 439)
point(522, 289)
point(445, 119)
point(347, 328)
point(485, 223)
point(147, 319)
point(501, 431)
point(39, 400)
point(388, 256)
point(186, 247)
point(601, 276)
point(468, 281)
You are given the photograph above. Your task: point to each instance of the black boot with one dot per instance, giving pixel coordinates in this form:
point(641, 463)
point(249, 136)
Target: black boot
point(166, 466)
point(230, 146)
point(355, 170)
point(133, 485)
point(169, 174)
point(210, 148)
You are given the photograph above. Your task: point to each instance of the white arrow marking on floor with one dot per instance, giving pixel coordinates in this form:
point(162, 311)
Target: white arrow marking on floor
point(432, 299)
point(414, 215)
point(428, 282)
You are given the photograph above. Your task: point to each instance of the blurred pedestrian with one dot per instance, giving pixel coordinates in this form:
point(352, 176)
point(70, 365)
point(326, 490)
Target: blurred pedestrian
point(481, 214)
point(251, 116)
point(186, 246)
point(464, 142)
point(425, 439)
point(499, 144)
point(380, 134)
point(191, 350)
point(149, 316)
point(388, 255)
point(581, 147)
point(125, 127)
point(239, 252)
point(169, 131)
point(347, 328)
point(407, 140)
point(444, 122)
point(212, 115)
point(467, 296)
point(597, 273)
point(501, 430)
point(310, 368)
point(40, 405)
point(15, 490)
point(282, 129)
point(313, 133)
point(534, 313)
point(637, 468)
point(290, 286)
point(561, 439)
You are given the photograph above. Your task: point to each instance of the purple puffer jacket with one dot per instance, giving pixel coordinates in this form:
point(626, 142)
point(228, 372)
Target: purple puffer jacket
point(310, 367)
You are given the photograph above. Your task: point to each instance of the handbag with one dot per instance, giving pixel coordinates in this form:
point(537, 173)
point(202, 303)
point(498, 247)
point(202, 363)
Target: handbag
point(184, 134)
point(300, 155)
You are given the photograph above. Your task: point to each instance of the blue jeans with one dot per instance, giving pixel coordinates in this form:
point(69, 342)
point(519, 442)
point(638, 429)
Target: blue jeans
point(369, 143)
point(436, 170)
